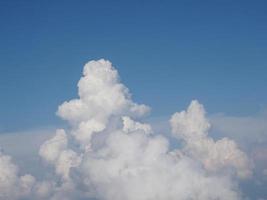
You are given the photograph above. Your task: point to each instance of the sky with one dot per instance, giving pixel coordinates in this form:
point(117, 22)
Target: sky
point(168, 54)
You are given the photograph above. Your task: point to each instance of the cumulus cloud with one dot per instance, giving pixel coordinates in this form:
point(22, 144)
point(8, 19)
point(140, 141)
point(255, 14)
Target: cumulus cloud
point(13, 186)
point(101, 96)
point(55, 152)
point(193, 127)
point(110, 154)
point(130, 125)
point(250, 132)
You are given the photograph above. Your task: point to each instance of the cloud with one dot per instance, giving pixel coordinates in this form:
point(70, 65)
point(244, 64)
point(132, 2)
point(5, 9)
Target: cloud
point(193, 127)
point(23, 147)
point(13, 186)
point(130, 125)
point(248, 131)
point(101, 96)
point(110, 154)
point(55, 152)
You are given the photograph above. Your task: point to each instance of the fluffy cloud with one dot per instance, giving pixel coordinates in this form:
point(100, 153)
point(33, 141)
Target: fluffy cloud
point(109, 154)
point(55, 151)
point(13, 186)
point(136, 166)
point(101, 96)
point(130, 125)
point(193, 127)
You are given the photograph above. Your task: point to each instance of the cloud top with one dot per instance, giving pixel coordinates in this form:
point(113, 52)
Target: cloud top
point(101, 96)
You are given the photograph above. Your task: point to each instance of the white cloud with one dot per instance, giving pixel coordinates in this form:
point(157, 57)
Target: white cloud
point(101, 96)
point(137, 166)
point(13, 186)
point(110, 155)
point(130, 125)
point(193, 127)
point(250, 132)
point(55, 152)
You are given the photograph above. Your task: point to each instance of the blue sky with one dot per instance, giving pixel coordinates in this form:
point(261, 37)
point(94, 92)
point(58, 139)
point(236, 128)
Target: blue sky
point(166, 53)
